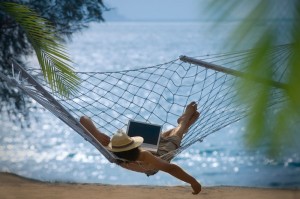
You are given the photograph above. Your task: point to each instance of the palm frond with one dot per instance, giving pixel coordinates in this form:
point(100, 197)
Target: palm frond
point(263, 39)
point(52, 56)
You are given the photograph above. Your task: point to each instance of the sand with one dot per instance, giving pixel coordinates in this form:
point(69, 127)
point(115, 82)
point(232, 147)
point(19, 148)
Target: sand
point(13, 186)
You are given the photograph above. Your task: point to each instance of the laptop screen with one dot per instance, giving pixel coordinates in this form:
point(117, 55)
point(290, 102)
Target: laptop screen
point(150, 132)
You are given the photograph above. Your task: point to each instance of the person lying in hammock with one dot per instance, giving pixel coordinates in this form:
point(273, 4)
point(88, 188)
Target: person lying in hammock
point(140, 160)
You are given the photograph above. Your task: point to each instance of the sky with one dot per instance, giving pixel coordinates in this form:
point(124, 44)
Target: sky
point(168, 10)
point(189, 10)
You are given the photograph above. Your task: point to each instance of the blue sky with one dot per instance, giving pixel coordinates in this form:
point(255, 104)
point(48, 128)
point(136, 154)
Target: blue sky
point(157, 9)
point(189, 10)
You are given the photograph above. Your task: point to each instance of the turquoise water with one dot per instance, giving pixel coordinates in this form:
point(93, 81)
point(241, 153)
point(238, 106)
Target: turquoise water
point(48, 150)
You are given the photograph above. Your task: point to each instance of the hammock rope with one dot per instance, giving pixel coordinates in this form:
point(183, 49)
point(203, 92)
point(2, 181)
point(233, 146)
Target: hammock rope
point(157, 94)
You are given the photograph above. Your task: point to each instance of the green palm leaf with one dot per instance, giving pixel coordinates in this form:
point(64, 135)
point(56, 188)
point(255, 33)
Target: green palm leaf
point(52, 56)
point(260, 12)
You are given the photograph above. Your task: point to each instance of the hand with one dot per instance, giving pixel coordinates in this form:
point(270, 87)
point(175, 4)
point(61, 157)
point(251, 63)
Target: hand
point(196, 187)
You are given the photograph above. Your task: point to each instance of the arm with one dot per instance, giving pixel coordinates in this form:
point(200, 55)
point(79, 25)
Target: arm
point(90, 127)
point(172, 169)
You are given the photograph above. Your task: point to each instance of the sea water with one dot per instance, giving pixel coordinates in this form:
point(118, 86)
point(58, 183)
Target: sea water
point(48, 150)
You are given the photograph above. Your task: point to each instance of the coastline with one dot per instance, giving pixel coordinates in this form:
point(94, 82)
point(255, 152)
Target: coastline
point(13, 186)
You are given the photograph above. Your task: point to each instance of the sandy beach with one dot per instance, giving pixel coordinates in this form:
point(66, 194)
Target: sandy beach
point(13, 186)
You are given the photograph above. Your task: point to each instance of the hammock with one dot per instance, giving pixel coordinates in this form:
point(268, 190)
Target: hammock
point(156, 94)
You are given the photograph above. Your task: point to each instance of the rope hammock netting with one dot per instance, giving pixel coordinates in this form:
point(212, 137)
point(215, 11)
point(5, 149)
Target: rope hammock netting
point(156, 94)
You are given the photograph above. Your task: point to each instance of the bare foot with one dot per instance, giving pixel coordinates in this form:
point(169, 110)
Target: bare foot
point(189, 111)
point(187, 124)
point(193, 119)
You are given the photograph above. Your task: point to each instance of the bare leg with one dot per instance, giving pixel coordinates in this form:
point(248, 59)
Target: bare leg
point(192, 120)
point(187, 119)
point(173, 131)
point(89, 125)
point(167, 133)
point(183, 127)
point(190, 109)
point(179, 131)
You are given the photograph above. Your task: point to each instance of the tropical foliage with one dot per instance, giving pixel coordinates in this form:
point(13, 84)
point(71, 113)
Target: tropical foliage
point(278, 23)
point(38, 27)
point(51, 55)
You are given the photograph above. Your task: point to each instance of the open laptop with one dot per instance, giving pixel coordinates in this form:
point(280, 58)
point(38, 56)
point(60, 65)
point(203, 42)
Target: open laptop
point(150, 133)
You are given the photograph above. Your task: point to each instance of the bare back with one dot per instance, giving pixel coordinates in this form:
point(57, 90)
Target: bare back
point(146, 163)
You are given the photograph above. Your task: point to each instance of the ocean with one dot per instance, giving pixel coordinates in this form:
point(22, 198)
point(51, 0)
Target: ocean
point(48, 150)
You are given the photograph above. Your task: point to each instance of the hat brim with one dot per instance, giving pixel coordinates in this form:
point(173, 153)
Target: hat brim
point(137, 141)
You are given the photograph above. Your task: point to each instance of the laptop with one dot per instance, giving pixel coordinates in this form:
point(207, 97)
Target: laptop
point(150, 133)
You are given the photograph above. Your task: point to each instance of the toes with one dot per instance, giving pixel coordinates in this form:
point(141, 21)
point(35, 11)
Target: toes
point(189, 112)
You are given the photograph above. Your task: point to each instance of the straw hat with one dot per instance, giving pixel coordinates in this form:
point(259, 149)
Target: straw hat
point(122, 142)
